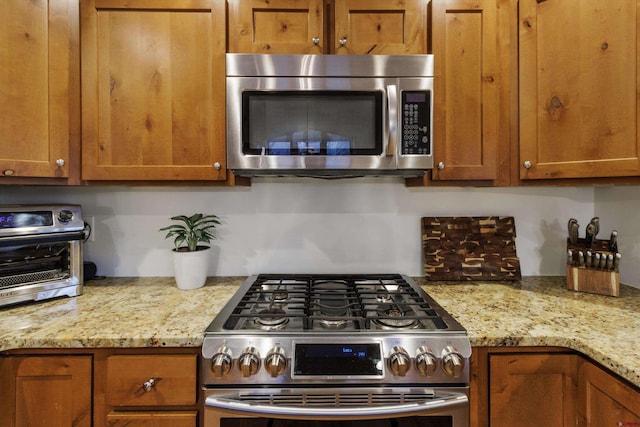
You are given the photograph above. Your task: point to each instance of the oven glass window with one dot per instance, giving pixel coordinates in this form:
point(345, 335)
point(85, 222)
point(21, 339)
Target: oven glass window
point(310, 123)
point(429, 421)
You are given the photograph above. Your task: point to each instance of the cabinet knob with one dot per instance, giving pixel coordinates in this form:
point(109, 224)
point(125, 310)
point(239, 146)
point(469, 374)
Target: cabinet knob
point(527, 164)
point(316, 41)
point(60, 162)
point(441, 165)
point(343, 41)
point(149, 384)
point(8, 172)
point(217, 166)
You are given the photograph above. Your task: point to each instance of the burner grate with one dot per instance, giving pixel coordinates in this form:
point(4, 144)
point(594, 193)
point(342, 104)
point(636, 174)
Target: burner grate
point(332, 302)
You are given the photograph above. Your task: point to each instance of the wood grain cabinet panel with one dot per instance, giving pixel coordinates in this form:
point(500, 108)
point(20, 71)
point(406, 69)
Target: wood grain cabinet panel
point(380, 27)
point(276, 26)
point(468, 85)
point(604, 400)
point(153, 419)
point(39, 73)
point(151, 380)
point(51, 391)
point(153, 90)
point(578, 88)
point(532, 390)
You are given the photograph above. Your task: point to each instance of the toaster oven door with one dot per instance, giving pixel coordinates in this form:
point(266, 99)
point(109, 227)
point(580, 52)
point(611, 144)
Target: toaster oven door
point(34, 268)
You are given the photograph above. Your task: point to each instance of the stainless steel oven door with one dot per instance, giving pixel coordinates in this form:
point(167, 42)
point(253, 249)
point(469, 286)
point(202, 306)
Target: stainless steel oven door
point(342, 407)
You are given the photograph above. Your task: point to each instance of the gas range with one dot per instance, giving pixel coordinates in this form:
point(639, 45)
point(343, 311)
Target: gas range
point(332, 330)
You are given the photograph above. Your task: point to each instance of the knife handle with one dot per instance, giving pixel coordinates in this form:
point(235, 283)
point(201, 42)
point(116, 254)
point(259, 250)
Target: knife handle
point(613, 242)
point(589, 235)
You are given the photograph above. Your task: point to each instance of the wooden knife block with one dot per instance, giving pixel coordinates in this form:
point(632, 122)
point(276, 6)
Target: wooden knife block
point(592, 280)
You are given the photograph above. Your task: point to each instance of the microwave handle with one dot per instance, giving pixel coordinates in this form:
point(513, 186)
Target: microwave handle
point(392, 119)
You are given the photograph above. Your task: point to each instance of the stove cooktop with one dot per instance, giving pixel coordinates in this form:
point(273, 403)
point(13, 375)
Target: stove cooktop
point(296, 303)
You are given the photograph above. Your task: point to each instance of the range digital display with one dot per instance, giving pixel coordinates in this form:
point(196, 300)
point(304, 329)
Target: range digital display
point(338, 359)
point(25, 219)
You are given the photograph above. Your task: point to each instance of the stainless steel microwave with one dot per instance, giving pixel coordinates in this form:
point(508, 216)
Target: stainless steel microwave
point(329, 115)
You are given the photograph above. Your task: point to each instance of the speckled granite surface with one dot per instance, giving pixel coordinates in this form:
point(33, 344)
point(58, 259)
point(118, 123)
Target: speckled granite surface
point(152, 312)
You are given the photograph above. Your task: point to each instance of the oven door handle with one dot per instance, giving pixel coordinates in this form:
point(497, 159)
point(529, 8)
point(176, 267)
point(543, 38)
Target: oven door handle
point(444, 402)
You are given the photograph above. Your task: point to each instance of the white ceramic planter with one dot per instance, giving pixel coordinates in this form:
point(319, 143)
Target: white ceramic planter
point(190, 268)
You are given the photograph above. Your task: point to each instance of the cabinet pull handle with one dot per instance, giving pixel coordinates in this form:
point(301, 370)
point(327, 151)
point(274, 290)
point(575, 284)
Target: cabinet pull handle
point(60, 162)
point(149, 384)
point(343, 41)
point(316, 41)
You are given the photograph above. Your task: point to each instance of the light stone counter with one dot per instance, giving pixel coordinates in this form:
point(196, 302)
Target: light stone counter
point(152, 312)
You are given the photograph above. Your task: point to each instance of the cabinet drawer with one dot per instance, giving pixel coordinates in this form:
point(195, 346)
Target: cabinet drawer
point(153, 419)
point(169, 379)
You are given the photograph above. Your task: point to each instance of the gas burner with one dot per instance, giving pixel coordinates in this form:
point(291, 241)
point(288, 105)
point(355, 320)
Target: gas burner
point(394, 318)
point(271, 319)
point(279, 296)
point(383, 295)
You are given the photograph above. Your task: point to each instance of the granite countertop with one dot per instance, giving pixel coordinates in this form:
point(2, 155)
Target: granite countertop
point(153, 312)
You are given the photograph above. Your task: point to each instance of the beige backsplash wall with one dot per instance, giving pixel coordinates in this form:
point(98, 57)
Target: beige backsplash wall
point(619, 209)
point(307, 225)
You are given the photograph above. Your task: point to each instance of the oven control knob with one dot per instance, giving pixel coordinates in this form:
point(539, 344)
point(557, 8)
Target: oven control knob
point(276, 361)
point(221, 362)
point(425, 361)
point(399, 361)
point(452, 362)
point(249, 362)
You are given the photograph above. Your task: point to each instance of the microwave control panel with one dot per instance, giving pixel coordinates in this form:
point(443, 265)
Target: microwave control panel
point(416, 115)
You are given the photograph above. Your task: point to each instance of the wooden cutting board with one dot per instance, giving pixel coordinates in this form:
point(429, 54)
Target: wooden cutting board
point(470, 248)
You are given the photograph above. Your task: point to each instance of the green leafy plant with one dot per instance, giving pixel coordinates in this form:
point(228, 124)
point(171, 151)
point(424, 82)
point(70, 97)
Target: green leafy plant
point(194, 229)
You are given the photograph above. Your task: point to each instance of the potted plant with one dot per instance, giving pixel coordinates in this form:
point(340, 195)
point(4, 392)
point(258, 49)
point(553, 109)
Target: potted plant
point(191, 238)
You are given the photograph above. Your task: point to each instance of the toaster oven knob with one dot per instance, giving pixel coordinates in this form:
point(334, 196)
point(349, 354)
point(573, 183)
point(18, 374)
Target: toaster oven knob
point(249, 362)
point(65, 216)
point(425, 361)
point(452, 362)
point(221, 362)
point(399, 361)
point(276, 361)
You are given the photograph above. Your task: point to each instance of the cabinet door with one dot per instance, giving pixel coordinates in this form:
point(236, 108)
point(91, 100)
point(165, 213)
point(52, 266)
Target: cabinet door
point(532, 390)
point(467, 90)
point(276, 26)
point(380, 27)
point(153, 419)
point(38, 67)
point(51, 391)
point(153, 90)
point(606, 401)
point(578, 88)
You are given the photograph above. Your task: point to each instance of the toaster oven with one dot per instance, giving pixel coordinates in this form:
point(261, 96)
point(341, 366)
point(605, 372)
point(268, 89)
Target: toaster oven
point(40, 252)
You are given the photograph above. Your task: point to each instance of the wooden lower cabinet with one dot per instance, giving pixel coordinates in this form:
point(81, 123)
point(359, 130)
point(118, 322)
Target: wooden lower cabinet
point(532, 390)
point(141, 387)
point(547, 386)
point(603, 400)
point(146, 388)
point(40, 390)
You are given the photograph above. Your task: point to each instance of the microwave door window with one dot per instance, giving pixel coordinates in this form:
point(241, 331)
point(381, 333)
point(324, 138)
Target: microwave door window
point(311, 123)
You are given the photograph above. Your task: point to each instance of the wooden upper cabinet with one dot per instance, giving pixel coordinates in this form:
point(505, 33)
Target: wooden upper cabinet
point(39, 70)
point(276, 26)
point(328, 26)
point(153, 90)
point(380, 27)
point(471, 123)
point(578, 88)
point(46, 390)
